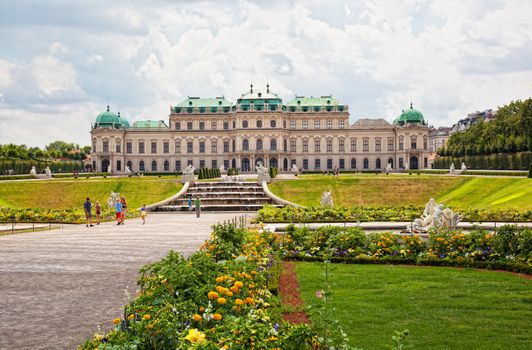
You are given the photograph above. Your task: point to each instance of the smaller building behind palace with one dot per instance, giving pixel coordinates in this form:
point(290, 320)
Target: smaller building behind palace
point(311, 132)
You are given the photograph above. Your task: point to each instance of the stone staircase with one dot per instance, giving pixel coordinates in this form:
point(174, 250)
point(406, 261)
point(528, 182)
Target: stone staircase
point(222, 196)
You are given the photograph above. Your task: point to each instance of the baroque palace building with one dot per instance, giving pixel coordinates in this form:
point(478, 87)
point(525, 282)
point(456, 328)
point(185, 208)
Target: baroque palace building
point(312, 132)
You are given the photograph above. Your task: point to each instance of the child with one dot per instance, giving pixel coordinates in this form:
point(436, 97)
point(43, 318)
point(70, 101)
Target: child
point(118, 211)
point(143, 213)
point(98, 210)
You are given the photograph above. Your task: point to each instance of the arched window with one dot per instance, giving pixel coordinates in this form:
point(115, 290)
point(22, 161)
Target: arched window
point(378, 163)
point(154, 166)
point(245, 124)
point(353, 163)
point(366, 163)
point(285, 145)
point(141, 166)
point(259, 145)
point(166, 165)
point(273, 144)
point(273, 123)
point(259, 123)
point(245, 145)
point(413, 142)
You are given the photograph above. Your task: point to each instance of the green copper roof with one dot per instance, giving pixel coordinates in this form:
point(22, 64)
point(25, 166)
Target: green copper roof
point(203, 103)
point(410, 115)
point(316, 104)
point(152, 124)
point(108, 119)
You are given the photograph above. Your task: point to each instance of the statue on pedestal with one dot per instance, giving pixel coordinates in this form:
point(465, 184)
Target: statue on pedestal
point(188, 174)
point(48, 172)
point(326, 199)
point(436, 215)
point(263, 174)
point(406, 166)
point(452, 170)
point(33, 172)
point(388, 168)
point(128, 171)
point(222, 169)
point(464, 168)
point(295, 169)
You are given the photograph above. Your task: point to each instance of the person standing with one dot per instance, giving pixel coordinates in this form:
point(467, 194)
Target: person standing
point(118, 212)
point(143, 213)
point(124, 209)
point(189, 203)
point(98, 210)
point(198, 206)
point(87, 207)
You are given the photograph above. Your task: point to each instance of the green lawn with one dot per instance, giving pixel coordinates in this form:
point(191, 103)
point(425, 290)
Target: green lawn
point(460, 192)
point(71, 193)
point(443, 308)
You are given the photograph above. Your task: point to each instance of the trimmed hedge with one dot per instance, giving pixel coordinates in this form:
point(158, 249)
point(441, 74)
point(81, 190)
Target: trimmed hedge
point(273, 173)
point(208, 173)
point(16, 177)
point(499, 161)
point(495, 173)
point(23, 167)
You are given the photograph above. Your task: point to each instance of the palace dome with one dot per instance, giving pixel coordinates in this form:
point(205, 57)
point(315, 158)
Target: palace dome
point(410, 116)
point(109, 119)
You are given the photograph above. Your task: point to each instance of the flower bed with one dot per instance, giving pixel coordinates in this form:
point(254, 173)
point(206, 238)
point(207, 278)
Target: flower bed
point(379, 213)
point(222, 297)
point(509, 249)
point(70, 216)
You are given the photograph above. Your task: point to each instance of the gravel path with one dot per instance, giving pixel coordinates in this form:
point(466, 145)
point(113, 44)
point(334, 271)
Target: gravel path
point(57, 287)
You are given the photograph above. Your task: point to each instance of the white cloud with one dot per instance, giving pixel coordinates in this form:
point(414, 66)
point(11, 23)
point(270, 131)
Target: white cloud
point(54, 78)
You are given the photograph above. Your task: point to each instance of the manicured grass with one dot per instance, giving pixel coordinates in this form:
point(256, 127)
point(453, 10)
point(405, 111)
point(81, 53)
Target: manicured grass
point(71, 193)
point(348, 190)
point(443, 308)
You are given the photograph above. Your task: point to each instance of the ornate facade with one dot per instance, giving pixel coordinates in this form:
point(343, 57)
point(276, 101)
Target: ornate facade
point(313, 133)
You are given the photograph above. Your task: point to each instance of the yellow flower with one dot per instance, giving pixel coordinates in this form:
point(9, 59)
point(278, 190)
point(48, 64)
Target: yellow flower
point(239, 284)
point(234, 289)
point(130, 317)
point(116, 320)
point(146, 317)
point(217, 317)
point(250, 301)
point(212, 295)
point(229, 293)
point(239, 302)
point(195, 336)
point(219, 279)
point(221, 301)
point(196, 317)
point(201, 309)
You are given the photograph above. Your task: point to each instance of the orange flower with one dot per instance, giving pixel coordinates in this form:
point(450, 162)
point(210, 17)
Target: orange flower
point(116, 320)
point(250, 301)
point(229, 293)
point(146, 317)
point(239, 284)
point(212, 295)
point(239, 302)
point(234, 289)
point(221, 301)
point(196, 317)
point(130, 317)
point(217, 317)
point(201, 309)
point(219, 279)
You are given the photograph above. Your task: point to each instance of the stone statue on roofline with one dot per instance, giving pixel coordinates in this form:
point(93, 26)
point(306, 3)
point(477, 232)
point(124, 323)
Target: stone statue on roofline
point(188, 174)
point(327, 200)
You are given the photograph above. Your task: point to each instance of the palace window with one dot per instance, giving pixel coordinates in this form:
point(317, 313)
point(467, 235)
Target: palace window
point(341, 124)
point(245, 145)
point(202, 163)
point(377, 145)
point(353, 163)
point(273, 144)
point(341, 145)
point(93, 146)
point(304, 124)
point(190, 162)
point(317, 164)
point(259, 145)
point(329, 146)
point(190, 147)
point(342, 163)
point(365, 145)
point(401, 163)
point(259, 123)
point(316, 124)
point(353, 145)
point(141, 147)
point(329, 124)
point(401, 143)
point(317, 144)
point(141, 166)
point(226, 125)
point(106, 146)
point(177, 165)
point(166, 166)
point(118, 148)
point(366, 163)
point(424, 142)
point(214, 125)
point(154, 147)
point(189, 125)
point(292, 124)
point(178, 147)
point(245, 124)
point(202, 147)
point(305, 145)
point(378, 163)
point(226, 146)
point(292, 145)
point(214, 146)
point(425, 162)
point(226, 164)
point(305, 164)
point(202, 125)
point(119, 165)
point(214, 164)
point(129, 147)
point(413, 142)
point(273, 124)
point(329, 163)
point(166, 147)
point(390, 144)
point(177, 125)
point(153, 166)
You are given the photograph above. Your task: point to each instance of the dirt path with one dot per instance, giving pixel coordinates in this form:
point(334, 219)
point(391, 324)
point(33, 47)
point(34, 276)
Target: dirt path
point(57, 287)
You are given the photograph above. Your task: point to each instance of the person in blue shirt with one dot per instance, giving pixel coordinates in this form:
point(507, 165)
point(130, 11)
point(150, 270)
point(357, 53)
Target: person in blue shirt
point(87, 207)
point(190, 203)
point(118, 211)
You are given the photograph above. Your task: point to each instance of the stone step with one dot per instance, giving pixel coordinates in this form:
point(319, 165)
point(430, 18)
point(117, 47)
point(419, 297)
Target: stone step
point(225, 189)
point(227, 193)
point(226, 184)
point(217, 207)
point(243, 201)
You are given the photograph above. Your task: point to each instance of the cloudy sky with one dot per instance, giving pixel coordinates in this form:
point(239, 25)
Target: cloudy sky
point(60, 61)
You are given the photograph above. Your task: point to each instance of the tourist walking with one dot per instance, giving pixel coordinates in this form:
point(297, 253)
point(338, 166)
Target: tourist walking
point(124, 209)
point(87, 207)
point(190, 203)
point(198, 207)
point(98, 210)
point(118, 212)
point(143, 213)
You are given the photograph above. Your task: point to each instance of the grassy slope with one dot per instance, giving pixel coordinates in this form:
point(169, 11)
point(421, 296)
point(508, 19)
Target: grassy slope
point(71, 193)
point(395, 190)
point(443, 308)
